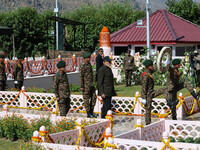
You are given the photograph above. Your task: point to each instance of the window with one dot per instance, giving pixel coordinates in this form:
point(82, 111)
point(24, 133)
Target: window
point(180, 51)
point(140, 50)
point(120, 49)
point(190, 48)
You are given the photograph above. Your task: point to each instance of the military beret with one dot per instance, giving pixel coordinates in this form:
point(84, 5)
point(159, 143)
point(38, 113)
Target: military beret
point(2, 54)
point(176, 61)
point(86, 55)
point(100, 49)
point(148, 63)
point(19, 56)
point(61, 64)
point(107, 58)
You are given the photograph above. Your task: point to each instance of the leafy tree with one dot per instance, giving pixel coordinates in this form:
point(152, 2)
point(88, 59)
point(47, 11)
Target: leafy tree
point(187, 9)
point(30, 31)
point(113, 15)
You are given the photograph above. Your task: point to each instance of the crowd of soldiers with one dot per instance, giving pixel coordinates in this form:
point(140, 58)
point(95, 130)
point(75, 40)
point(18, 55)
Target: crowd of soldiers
point(105, 83)
point(17, 72)
point(170, 92)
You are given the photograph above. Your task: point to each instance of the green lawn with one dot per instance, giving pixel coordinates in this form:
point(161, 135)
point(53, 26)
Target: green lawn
point(7, 144)
point(123, 91)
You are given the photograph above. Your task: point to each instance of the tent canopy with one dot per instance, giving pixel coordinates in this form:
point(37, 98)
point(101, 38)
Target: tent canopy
point(5, 30)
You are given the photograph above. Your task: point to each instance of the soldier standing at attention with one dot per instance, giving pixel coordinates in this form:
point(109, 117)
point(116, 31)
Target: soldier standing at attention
point(87, 85)
point(2, 72)
point(128, 65)
point(148, 92)
point(61, 89)
point(106, 85)
point(174, 85)
point(197, 58)
point(18, 73)
point(99, 61)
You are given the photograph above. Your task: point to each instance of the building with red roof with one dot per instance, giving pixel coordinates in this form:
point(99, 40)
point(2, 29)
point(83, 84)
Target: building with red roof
point(166, 29)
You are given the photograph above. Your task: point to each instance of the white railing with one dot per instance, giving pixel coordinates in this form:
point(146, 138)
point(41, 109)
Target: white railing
point(149, 136)
point(39, 67)
point(121, 105)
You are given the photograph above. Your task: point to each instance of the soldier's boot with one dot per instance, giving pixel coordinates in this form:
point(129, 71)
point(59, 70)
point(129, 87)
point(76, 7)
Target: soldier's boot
point(92, 113)
point(169, 103)
point(195, 95)
point(129, 83)
point(89, 115)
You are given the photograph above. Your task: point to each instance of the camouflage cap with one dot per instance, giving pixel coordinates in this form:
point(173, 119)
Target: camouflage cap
point(2, 54)
point(19, 56)
point(61, 64)
point(100, 49)
point(86, 55)
point(107, 58)
point(176, 61)
point(148, 63)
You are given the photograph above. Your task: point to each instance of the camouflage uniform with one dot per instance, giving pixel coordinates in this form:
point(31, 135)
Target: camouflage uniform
point(173, 86)
point(18, 75)
point(128, 65)
point(2, 77)
point(86, 82)
point(62, 91)
point(149, 93)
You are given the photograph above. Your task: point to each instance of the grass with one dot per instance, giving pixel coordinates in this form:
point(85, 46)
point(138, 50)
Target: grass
point(7, 144)
point(123, 91)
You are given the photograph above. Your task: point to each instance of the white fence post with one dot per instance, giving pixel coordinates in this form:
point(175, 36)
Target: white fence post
point(5, 109)
point(138, 107)
point(109, 114)
point(23, 98)
point(97, 107)
point(42, 133)
point(36, 137)
point(165, 138)
point(54, 115)
point(180, 109)
point(79, 121)
point(139, 126)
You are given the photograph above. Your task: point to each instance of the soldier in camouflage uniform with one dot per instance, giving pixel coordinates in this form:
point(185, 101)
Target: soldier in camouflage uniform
point(61, 89)
point(174, 85)
point(2, 72)
point(128, 65)
point(148, 92)
point(18, 73)
point(87, 86)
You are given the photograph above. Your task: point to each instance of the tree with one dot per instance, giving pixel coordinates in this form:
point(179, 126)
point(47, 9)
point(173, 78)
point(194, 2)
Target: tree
point(30, 31)
point(187, 9)
point(113, 15)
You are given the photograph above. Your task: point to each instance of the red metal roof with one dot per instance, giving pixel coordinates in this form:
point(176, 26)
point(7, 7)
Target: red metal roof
point(165, 28)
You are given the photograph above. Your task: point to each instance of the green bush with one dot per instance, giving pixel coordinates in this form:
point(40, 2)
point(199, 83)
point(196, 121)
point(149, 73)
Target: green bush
point(74, 88)
point(172, 139)
point(181, 140)
point(197, 140)
point(189, 140)
point(16, 127)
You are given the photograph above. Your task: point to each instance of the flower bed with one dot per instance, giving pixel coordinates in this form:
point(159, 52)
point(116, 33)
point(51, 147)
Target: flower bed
point(18, 126)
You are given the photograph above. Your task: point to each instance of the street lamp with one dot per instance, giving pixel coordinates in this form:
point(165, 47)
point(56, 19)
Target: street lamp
point(148, 8)
point(140, 22)
point(56, 11)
